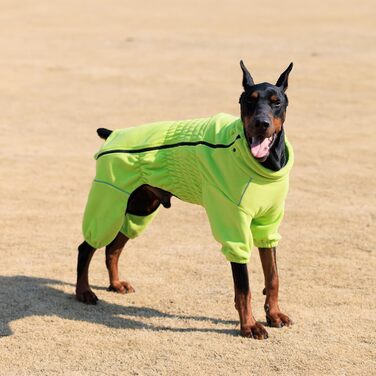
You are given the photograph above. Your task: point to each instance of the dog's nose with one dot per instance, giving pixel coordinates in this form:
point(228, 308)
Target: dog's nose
point(262, 123)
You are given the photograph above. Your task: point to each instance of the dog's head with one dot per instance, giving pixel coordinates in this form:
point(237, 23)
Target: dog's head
point(263, 111)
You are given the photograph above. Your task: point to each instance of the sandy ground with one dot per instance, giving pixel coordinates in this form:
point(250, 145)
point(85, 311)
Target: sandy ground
point(68, 67)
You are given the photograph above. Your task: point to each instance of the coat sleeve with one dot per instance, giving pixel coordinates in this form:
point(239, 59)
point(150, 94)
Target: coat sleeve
point(104, 213)
point(265, 228)
point(230, 225)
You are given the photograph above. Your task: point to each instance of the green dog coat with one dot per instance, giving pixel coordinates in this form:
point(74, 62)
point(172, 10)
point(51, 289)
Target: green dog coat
point(201, 161)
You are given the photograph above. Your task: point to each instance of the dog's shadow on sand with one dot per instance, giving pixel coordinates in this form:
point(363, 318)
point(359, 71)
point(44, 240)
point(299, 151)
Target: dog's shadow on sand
point(23, 296)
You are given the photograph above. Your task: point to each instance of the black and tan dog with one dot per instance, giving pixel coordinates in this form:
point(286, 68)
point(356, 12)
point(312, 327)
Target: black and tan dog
point(263, 109)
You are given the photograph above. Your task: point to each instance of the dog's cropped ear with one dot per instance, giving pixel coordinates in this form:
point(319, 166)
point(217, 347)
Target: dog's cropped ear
point(284, 78)
point(247, 78)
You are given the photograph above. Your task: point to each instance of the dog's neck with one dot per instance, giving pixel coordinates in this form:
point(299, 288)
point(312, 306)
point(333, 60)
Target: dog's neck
point(277, 158)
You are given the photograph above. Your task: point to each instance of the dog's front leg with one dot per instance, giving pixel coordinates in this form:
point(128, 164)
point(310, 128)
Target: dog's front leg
point(274, 316)
point(248, 325)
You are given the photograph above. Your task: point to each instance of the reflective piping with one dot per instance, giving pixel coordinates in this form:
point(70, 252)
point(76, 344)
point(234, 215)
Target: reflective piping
point(161, 147)
point(111, 185)
point(245, 189)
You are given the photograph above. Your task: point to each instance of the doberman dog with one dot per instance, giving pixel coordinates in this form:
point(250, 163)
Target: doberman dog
point(263, 111)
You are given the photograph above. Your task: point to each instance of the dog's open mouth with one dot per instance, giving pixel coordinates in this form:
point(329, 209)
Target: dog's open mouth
point(260, 146)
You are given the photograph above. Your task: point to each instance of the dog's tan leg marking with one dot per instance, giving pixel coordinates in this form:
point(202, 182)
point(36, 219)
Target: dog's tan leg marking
point(249, 327)
point(113, 252)
point(274, 316)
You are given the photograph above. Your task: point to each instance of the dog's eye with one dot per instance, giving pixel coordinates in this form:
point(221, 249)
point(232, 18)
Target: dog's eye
point(276, 103)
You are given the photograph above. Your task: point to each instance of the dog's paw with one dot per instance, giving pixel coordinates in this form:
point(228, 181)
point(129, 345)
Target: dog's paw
point(256, 331)
point(87, 297)
point(121, 287)
point(278, 319)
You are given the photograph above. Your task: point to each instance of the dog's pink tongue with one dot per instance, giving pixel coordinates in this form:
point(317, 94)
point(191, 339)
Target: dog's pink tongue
point(259, 148)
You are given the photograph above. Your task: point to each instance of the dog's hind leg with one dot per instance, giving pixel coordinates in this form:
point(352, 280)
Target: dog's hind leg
point(113, 252)
point(141, 209)
point(83, 292)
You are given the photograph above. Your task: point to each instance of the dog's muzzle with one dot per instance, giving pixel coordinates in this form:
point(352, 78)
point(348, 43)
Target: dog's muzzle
point(261, 145)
